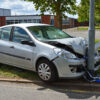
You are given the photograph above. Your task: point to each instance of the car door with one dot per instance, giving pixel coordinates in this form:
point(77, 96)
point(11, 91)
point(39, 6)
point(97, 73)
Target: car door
point(22, 54)
point(5, 34)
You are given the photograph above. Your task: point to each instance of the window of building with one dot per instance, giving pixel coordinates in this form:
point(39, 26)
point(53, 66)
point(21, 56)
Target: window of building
point(66, 21)
point(40, 21)
point(29, 21)
point(0, 33)
point(34, 21)
point(52, 22)
point(25, 21)
point(16, 21)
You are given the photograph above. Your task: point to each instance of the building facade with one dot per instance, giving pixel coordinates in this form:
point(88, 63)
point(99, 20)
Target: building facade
point(23, 19)
point(3, 14)
point(6, 19)
point(45, 19)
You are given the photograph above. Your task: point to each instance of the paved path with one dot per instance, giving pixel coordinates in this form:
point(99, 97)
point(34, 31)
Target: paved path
point(12, 91)
point(81, 33)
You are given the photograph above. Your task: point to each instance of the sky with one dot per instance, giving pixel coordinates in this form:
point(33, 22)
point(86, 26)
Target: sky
point(20, 7)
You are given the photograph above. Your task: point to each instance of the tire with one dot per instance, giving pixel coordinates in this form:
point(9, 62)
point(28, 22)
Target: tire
point(47, 71)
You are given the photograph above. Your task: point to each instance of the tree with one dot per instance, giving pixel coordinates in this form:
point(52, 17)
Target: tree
point(83, 11)
point(58, 7)
point(97, 12)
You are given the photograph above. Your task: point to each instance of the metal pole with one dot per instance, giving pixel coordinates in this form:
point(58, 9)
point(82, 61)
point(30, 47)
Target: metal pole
point(91, 36)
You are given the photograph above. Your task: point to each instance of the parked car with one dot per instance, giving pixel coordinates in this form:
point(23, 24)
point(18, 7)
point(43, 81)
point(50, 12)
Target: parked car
point(45, 49)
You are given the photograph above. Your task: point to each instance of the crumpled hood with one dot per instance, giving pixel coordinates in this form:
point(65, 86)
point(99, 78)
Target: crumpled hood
point(78, 44)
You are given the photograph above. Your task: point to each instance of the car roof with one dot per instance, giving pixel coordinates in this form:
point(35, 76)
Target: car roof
point(26, 25)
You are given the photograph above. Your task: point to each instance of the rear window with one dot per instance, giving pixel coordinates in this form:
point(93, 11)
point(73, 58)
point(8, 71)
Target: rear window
point(5, 33)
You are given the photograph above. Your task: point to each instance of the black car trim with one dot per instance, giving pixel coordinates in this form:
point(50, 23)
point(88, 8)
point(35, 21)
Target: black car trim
point(16, 56)
point(11, 35)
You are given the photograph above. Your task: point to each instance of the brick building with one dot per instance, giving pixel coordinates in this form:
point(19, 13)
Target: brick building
point(47, 19)
point(6, 19)
point(3, 14)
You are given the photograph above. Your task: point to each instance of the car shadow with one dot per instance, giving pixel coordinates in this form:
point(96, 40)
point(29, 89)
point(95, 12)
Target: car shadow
point(71, 89)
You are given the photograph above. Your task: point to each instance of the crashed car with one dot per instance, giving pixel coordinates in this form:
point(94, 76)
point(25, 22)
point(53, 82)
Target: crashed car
point(46, 50)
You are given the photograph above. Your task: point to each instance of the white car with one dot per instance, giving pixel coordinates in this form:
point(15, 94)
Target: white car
point(45, 49)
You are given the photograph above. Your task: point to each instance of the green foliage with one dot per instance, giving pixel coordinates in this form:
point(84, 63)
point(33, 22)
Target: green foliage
point(52, 5)
point(83, 11)
point(97, 12)
point(57, 7)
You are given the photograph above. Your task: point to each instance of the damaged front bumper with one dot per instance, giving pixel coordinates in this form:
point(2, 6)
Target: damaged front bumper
point(73, 68)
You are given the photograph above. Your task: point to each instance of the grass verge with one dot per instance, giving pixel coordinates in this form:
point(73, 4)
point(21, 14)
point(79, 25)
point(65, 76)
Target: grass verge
point(16, 73)
point(82, 28)
point(98, 40)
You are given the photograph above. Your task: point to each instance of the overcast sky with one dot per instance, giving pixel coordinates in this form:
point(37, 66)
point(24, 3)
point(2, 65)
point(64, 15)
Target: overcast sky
point(20, 7)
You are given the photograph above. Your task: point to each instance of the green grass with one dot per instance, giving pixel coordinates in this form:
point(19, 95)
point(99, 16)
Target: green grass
point(96, 41)
point(82, 28)
point(13, 72)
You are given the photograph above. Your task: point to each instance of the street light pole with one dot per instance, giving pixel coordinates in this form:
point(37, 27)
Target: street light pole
point(91, 36)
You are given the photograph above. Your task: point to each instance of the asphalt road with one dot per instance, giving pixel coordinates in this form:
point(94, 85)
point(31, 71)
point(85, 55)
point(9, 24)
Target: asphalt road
point(81, 33)
point(41, 91)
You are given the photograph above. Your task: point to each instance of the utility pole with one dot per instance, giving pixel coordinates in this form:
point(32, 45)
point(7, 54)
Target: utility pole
point(91, 36)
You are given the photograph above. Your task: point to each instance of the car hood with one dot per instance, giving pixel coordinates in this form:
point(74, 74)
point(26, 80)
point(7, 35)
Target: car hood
point(75, 45)
point(78, 44)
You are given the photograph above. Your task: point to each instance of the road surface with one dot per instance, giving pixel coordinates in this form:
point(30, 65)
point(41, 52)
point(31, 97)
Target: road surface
point(37, 91)
point(81, 33)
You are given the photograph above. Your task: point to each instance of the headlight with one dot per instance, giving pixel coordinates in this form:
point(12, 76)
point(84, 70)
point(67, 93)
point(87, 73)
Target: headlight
point(64, 54)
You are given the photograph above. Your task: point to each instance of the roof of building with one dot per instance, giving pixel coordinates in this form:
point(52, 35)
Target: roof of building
point(27, 15)
point(5, 9)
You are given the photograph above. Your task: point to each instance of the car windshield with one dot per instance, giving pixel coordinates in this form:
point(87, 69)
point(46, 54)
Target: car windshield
point(47, 33)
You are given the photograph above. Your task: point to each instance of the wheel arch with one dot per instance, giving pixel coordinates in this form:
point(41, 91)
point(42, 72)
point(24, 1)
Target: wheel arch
point(45, 59)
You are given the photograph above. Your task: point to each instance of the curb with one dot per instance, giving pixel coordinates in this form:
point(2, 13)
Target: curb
point(18, 80)
point(67, 83)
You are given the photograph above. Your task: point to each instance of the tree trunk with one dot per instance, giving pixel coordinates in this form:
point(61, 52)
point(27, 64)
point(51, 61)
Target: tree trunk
point(59, 20)
point(59, 14)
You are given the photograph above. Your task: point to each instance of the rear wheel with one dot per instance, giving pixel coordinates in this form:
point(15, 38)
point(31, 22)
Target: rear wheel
point(46, 70)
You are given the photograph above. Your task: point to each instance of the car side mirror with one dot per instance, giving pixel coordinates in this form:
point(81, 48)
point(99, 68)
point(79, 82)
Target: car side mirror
point(31, 43)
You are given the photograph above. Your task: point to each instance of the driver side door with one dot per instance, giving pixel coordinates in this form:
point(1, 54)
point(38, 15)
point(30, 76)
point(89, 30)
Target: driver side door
point(22, 54)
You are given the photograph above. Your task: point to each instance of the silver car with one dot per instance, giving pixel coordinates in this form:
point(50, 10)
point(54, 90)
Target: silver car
point(44, 49)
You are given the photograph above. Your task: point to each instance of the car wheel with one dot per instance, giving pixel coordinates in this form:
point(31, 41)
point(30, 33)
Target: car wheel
point(46, 71)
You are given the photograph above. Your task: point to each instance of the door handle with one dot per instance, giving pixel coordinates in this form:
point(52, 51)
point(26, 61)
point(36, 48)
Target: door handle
point(12, 47)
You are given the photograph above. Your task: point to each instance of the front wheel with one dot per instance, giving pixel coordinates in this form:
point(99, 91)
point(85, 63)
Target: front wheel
point(46, 71)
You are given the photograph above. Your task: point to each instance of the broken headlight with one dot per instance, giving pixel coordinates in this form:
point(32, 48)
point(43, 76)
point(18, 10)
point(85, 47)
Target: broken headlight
point(64, 54)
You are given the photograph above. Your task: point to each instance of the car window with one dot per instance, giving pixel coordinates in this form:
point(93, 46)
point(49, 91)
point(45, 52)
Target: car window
point(44, 33)
point(20, 34)
point(5, 33)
